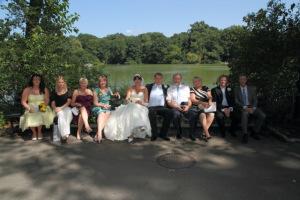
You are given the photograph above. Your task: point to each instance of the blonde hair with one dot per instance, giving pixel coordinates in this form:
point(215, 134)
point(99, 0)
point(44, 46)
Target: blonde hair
point(59, 78)
point(83, 80)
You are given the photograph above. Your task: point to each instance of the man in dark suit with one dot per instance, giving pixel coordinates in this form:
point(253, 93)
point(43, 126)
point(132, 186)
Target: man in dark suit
point(246, 105)
point(224, 98)
point(158, 106)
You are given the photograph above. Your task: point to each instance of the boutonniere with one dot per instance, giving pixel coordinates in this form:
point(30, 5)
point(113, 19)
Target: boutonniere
point(165, 87)
point(229, 89)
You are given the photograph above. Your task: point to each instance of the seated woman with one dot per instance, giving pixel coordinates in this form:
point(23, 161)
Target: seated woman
point(82, 99)
point(201, 98)
point(131, 120)
point(60, 102)
point(35, 99)
point(102, 107)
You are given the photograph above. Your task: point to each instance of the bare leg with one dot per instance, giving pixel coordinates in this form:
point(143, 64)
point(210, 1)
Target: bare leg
point(40, 135)
point(34, 133)
point(209, 119)
point(101, 122)
point(80, 125)
point(85, 119)
point(203, 121)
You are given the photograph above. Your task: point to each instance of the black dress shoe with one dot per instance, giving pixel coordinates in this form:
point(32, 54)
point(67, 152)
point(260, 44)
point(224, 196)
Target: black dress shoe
point(255, 136)
point(245, 139)
point(165, 138)
point(153, 138)
point(233, 134)
point(178, 137)
point(223, 134)
point(192, 137)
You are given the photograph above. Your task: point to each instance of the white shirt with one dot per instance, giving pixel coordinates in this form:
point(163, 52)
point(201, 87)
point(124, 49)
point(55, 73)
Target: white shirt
point(178, 93)
point(156, 96)
point(224, 99)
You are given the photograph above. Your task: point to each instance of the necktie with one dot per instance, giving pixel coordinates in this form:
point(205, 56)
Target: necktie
point(244, 96)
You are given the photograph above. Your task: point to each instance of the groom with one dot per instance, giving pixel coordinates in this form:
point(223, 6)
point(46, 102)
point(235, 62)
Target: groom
point(158, 106)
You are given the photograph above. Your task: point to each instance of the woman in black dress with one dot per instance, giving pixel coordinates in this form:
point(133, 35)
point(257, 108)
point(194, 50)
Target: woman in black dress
point(60, 103)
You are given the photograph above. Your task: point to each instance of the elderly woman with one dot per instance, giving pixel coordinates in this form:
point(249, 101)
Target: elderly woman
point(201, 99)
point(82, 100)
point(35, 99)
point(60, 102)
point(102, 107)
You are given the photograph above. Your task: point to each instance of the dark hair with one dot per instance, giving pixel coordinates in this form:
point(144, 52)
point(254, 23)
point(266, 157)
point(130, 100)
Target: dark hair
point(42, 83)
point(137, 77)
point(243, 74)
point(223, 76)
point(158, 74)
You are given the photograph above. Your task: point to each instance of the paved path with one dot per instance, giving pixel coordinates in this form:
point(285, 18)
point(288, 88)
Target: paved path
point(225, 170)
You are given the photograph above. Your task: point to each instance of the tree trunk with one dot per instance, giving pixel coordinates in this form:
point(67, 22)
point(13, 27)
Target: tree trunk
point(33, 15)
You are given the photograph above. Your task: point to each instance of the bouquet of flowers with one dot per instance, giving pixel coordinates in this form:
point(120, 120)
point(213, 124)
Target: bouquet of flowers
point(42, 107)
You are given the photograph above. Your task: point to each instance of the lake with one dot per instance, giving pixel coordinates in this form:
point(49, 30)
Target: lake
point(121, 75)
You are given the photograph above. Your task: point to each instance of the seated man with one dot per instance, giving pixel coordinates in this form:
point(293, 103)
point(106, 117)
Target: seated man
point(178, 98)
point(157, 106)
point(223, 96)
point(246, 105)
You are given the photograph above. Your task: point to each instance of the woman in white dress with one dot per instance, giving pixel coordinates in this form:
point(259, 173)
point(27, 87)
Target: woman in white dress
point(131, 120)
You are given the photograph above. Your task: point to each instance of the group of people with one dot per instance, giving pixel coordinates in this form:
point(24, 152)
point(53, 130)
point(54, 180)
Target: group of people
point(137, 118)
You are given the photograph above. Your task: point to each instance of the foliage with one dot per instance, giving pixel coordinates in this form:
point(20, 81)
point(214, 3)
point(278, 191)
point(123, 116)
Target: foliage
point(201, 41)
point(2, 120)
point(39, 46)
point(270, 55)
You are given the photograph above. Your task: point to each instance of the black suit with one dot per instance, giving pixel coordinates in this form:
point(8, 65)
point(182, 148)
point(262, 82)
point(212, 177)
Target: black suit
point(163, 111)
point(217, 95)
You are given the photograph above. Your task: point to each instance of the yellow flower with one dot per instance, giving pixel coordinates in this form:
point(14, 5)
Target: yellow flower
point(42, 107)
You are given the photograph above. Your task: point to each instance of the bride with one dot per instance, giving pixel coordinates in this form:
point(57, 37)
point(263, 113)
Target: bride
point(131, 120)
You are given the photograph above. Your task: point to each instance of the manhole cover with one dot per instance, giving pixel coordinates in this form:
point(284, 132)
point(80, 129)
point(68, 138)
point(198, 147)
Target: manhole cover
point(176, 161)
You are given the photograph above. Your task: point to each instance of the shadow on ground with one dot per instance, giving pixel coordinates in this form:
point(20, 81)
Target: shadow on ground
point(225, 169)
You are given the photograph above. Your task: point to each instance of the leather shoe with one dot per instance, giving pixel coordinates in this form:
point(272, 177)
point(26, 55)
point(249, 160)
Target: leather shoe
point(178, 137)
point(255, 136)
point(192, 137)
point(233, 134)
point(165, 138)
point(245, 139)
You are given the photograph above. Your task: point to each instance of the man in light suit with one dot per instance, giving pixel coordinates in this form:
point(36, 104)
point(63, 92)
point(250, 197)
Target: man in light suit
point(246, 104)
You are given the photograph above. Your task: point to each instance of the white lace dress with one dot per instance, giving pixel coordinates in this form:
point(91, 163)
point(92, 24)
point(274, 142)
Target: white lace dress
point(129, 120)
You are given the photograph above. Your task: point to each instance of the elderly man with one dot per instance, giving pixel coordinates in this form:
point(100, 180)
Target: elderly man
point(178, 99)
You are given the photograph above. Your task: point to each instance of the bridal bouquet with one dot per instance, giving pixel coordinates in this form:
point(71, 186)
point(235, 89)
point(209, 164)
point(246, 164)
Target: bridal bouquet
point(42, 107)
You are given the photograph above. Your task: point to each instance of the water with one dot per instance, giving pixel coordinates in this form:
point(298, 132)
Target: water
point(121, 75)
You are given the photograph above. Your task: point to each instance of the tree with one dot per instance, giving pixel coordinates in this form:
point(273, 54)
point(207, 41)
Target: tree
point(204, 40)
point(154, 47)
point(35, 43)
point(270, 56)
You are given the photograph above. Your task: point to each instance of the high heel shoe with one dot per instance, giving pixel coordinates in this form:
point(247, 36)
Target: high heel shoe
point(204, 138)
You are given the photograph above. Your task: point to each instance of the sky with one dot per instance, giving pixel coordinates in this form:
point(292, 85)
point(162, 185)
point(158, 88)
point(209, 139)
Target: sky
point(133, 17)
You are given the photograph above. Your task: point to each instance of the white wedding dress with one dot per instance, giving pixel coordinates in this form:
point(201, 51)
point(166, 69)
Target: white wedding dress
point(129, 120)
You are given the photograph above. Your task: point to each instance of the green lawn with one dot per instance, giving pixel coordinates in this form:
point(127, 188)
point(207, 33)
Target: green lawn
point(121, 75)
